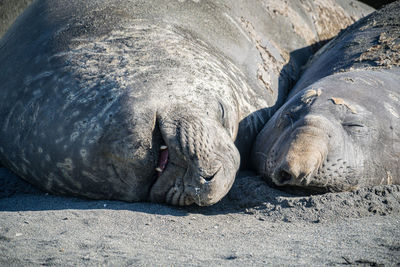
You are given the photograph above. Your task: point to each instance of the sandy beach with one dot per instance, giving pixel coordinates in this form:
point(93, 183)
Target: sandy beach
point(253, 225)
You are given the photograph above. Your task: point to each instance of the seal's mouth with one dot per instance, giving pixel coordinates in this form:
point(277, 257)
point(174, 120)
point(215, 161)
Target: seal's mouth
point(169, 182)
point(162, 160)
point(162, 153)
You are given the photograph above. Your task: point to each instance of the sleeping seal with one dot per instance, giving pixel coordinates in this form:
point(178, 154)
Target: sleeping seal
point(141, 100)
point(340, 128)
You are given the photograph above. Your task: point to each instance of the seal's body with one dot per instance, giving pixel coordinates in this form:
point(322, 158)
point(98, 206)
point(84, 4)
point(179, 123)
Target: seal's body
point(340, 128)
point(142, 100)
point(9, 11)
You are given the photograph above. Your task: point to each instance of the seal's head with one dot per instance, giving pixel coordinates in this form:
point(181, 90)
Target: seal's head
point(173, 133)
point(202, 159)
point(326, 137)
point(178, 155)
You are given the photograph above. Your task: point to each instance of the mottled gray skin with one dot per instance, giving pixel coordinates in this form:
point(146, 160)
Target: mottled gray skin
point(9, 11)
point(340, 128)
point(90, 90)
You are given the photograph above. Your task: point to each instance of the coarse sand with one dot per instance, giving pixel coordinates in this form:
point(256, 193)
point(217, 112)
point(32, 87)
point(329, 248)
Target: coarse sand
point(254, 224)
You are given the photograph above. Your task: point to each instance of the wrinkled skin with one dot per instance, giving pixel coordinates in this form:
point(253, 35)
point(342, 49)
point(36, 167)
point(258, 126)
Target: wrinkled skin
point(91, 91)
point(119, 132)
point(9, 11)
point(340, 128)
point(314, 143)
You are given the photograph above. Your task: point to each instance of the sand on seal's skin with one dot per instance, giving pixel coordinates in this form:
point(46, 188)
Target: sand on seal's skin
point(253, 225)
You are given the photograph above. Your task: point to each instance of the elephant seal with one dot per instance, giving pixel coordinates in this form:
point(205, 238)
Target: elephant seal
point(142, 100)
point(340, 127)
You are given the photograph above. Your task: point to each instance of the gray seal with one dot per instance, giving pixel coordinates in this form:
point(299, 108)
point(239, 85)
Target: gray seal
point(340, 128)
point(143, 100)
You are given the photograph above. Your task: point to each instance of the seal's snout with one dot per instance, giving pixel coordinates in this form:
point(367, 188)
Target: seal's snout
point(296, 168)
point(300, 154)
point(284, 176)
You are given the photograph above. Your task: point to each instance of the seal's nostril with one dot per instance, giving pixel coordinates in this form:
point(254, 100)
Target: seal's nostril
point(209, 178)
point(284, 176)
